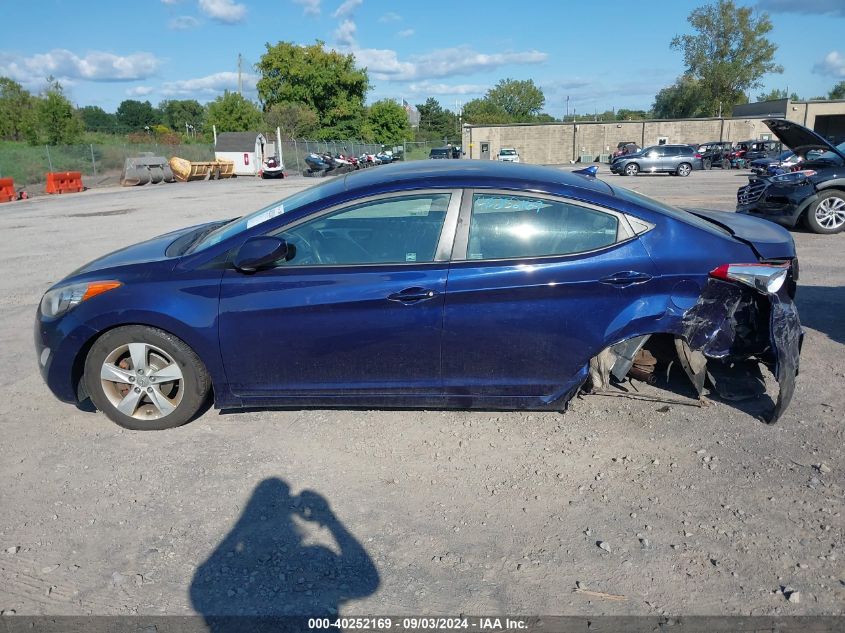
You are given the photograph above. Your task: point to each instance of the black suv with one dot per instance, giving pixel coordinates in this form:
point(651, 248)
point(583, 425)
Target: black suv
point(813, 191)
point(763, 149)
point(715, 154)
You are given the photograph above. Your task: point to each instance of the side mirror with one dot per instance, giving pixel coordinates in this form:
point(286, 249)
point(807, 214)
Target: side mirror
point(258, 252)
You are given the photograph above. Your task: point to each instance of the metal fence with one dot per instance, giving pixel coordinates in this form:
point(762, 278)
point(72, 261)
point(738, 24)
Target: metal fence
point(102, 164)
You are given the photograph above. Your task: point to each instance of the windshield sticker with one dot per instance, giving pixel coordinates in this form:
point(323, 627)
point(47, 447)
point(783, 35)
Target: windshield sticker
point(262, 217)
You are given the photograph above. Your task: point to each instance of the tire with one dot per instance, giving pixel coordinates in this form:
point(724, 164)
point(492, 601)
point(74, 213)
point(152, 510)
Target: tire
point(726, 164)
point(130, 395)
point(631, 169)
point(707, 164)
point(684, 170)
point(827, 214)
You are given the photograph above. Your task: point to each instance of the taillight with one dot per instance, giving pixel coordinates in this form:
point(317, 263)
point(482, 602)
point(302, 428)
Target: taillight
point(766, 278)
point(696, 155)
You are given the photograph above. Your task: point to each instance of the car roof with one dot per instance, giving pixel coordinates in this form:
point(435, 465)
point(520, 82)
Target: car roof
point(470, 173)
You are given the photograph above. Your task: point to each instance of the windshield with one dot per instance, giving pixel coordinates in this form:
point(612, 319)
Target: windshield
point(508, 152)
point(832, 156)
point(286, 205)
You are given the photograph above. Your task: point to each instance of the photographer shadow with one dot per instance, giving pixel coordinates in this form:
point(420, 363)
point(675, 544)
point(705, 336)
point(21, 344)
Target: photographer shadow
point(264, 577)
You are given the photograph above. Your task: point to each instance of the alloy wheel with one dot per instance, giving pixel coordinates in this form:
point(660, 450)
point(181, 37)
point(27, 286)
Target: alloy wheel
point(142, 381)
point(830, 213)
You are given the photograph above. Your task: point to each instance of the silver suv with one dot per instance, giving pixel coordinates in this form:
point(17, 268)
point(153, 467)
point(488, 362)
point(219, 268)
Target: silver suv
point(677, 160)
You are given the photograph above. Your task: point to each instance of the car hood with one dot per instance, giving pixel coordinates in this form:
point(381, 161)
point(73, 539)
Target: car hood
point(769, 240)
point(151, 250)
point(798, 138)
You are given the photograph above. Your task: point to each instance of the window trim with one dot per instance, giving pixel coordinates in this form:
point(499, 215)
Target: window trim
point(441, 252)
point(624, 231)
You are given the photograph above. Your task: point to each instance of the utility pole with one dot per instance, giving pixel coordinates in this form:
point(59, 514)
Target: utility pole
point(240, 74)
point(567, 108)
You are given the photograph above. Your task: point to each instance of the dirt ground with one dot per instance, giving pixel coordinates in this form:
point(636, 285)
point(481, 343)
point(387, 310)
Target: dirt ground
point(700, 510)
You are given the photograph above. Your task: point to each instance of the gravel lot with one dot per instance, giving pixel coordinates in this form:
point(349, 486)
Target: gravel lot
point(702, 510)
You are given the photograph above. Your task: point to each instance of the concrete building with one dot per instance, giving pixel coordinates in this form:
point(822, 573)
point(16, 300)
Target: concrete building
point(588, 141)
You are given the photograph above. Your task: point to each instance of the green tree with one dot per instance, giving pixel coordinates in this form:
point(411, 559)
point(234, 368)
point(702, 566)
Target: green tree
point(17, 112)
point(728, 53)
point(838, 91)
point(324, 80)
point(483, 111)
point(96, 119)
point(230, 112)
point(386, 122)
point(624, 114)
point(57, 120)
point(776, 94)
point(295, 120)
point(686, 98)
point(522, 100)
point(133, 115)
point(177, 112)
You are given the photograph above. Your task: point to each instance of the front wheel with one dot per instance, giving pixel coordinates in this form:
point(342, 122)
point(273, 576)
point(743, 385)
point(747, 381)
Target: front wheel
point(707, 164)
point(684, 169)
point(827, 214)
point(144, 378)
point(632, 169)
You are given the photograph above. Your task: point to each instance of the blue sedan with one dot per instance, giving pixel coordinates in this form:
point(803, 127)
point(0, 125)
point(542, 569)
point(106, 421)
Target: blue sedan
point(429, 284)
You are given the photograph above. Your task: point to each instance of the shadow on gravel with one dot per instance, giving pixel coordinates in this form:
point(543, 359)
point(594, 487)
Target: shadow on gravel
point(821, 308)
point(263, 577)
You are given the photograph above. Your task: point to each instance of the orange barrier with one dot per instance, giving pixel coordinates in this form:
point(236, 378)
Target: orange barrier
point(7, 190)
point(64, 182)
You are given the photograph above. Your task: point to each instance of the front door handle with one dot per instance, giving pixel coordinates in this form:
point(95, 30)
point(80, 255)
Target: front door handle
point(626, 278)
point(412, 295)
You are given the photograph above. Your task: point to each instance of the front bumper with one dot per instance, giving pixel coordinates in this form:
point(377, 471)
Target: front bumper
point(58, 346)
point(782, 204)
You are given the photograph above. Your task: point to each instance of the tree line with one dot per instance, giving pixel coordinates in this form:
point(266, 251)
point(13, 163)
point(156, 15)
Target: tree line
point(319, 93)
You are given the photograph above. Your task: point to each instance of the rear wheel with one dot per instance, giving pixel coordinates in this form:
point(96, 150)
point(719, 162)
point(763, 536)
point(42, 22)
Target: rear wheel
point(827, 214)
point(707, 164)
point(144, 378)
point(726, 164)
point(684, 169)
point(632, 169)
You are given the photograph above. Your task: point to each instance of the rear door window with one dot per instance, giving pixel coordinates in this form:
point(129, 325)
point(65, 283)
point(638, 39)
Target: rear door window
point(507, 227)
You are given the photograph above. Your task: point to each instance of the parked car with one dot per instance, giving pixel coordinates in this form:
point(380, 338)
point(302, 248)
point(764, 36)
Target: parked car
point(440, 153)
point(715, 154)
point(626, 147)
point(508, 155)
point(814, 192)
point(480, 272)
point(784, 160)
point(763, 149)
point(678, 160)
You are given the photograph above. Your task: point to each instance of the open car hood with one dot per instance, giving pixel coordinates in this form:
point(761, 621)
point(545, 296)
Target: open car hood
point(798, 138)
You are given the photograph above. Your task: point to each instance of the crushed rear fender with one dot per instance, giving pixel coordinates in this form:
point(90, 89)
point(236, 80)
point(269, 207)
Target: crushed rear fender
point(732, 321)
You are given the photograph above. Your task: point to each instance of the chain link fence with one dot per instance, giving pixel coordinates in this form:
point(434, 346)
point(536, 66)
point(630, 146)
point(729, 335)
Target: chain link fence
point(101, 165)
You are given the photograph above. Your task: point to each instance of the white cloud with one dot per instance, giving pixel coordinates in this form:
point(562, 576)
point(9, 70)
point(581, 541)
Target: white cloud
point(226, 11)
point(309, 7)
point(428, 88)
point(345, 33)
point(384, 64)
point(140, 91)
point(210, 85)
point(68, 66)
point(833, 65)
point(406, 33)
point(346, 8)
point(390, 16)
point(171, 1)
point(183, 23)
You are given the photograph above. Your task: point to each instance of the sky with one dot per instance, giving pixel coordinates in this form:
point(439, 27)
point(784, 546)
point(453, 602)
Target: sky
point(586, 56)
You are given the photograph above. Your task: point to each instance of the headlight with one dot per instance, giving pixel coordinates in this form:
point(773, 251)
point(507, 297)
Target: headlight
point(793, 178)
point(59, 300)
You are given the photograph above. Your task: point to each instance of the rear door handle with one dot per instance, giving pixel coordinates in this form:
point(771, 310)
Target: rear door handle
point(412, 295)
point(626, 278)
